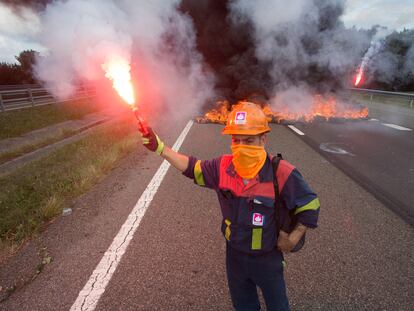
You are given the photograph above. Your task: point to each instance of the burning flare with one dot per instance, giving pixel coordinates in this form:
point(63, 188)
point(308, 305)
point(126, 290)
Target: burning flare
point(118, 70)
point(359, 75)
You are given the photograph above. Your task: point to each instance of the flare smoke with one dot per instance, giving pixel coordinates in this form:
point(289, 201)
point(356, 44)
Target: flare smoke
point(154, 36)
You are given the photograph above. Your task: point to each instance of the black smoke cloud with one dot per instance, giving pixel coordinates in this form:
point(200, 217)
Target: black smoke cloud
point(229, 49)
point(269, 47)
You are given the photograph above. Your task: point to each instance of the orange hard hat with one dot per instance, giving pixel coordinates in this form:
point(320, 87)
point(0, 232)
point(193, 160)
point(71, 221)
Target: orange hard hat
point(246, 119)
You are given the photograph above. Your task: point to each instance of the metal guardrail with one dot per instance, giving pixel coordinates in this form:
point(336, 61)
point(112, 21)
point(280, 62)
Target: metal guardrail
point(409, 97)
point(18, 97)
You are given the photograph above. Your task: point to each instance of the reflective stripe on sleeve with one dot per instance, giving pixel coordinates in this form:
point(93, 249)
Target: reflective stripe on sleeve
point(227, 232)
point(198, 174)
point(312, 205)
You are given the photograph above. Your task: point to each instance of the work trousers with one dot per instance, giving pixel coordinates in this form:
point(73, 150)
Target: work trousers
point(246, 272)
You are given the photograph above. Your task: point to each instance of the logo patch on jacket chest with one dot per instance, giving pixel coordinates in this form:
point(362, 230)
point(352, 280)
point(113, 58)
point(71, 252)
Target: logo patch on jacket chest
point(258, 219)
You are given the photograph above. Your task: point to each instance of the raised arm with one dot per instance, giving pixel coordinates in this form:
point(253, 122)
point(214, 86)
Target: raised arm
point(178, 160)
point(204, 173)
point(153, 143)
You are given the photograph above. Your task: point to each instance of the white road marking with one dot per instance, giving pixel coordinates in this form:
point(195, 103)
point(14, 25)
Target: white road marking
point(373, 120)
point(335, 148)
point(296, 130)
point(92, 291)
point(397, 127)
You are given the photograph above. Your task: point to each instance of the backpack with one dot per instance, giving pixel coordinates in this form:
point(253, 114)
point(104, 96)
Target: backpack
point(284, 219)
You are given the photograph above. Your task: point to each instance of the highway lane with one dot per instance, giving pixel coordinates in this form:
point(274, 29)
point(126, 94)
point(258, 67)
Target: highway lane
point(388, 113)
point(176, 261)
point(379, 156)
point(360, 258)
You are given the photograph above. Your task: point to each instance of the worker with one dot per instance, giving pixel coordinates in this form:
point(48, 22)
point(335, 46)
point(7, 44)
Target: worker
point(244, 183)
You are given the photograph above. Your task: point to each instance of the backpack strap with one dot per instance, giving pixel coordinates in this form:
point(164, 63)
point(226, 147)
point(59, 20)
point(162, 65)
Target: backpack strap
point(284, 219)
point(278, 202)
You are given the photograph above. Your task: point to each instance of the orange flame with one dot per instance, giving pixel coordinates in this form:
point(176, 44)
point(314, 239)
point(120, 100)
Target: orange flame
point(118, 70)
point(359, 76)
point(323, 107)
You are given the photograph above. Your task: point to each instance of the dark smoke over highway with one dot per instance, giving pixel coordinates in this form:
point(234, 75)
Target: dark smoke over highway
point(270, 46)
point(282, 52)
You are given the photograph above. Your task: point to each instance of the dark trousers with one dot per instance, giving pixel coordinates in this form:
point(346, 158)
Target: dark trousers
point(246, 272)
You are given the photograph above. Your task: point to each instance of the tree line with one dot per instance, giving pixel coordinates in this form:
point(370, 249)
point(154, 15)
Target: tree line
point(20, 73)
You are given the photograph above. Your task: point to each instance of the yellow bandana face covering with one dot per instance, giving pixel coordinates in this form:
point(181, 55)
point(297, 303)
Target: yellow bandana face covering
point(248, 160)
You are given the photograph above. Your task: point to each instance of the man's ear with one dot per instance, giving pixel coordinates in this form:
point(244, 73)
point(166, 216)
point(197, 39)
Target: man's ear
point(263, 139)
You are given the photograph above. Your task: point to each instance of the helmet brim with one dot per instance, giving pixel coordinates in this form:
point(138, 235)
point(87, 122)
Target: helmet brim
point(227, 131)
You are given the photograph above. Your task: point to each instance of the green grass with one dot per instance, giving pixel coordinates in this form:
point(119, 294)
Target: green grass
point(58, 135)
point(37, 193)
point(17, 122)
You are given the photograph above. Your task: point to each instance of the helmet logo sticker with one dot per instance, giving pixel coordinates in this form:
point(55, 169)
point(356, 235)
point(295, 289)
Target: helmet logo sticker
point(240, 117)
point(258, 219)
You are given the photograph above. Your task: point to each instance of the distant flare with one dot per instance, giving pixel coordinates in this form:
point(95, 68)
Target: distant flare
point(359, 75)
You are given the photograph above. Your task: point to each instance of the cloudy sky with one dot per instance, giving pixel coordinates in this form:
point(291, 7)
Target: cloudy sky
point(394, 14)
point(18, 31)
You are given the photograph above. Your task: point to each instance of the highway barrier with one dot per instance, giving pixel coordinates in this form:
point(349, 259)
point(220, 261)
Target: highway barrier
point(377, 93)
point(14, 97)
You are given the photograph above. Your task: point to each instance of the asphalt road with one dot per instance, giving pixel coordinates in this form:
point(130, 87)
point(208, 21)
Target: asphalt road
point(395, 114)
point(360, 257)
point(379, 157)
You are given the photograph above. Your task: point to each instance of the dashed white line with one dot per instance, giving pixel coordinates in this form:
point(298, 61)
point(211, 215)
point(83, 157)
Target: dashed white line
point(299, 132)
point(94, 288)
point(397, 127)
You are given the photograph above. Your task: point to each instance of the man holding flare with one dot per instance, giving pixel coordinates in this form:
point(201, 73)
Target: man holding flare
point(244, 183)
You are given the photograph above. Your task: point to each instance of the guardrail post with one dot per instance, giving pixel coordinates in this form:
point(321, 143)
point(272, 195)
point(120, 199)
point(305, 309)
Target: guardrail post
point(30, 96)
point(411, 104)
point(370, 98)
point(1, 104)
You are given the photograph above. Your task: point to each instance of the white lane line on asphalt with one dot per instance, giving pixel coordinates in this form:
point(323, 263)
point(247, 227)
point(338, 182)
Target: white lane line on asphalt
point(397, 127)
point(92, 291)
point(299, 132)
point(373, 120)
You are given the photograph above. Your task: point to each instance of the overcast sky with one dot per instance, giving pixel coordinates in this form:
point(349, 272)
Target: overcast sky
point(17, 32)
point(394, 14)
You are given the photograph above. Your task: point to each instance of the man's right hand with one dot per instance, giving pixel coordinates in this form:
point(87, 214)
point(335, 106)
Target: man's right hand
point(152, 142)
point(284, 244)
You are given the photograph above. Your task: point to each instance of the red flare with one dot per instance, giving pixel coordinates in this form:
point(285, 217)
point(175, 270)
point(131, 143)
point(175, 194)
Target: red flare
point(359, 76)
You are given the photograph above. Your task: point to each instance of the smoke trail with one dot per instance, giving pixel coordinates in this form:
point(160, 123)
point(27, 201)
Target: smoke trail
point(153, 36)
point(375, 47)
point(88, 35)
point(391, 68)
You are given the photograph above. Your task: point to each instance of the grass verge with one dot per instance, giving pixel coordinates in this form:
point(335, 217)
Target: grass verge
point(57, 136)
point(18, 122)
point(37, 192)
